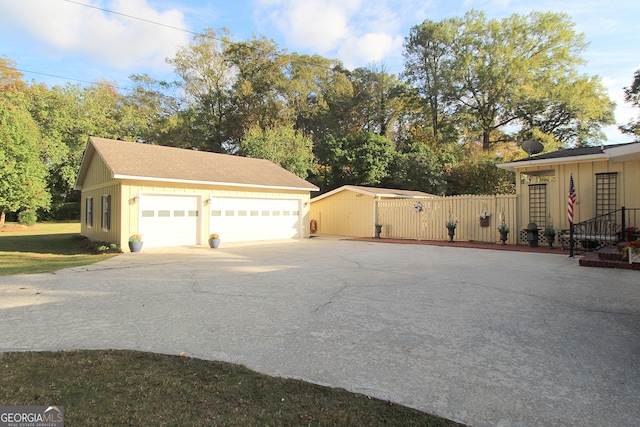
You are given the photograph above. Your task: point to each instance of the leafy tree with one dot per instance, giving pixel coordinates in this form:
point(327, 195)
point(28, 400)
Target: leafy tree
point(23, 174)
point(206, 79)
point(363, 159)
point(430, 67)
point(10, 78)
point(417, 169)
point(478, 174)
point(572, 110)
point(282, 145)
point(632, 96)
point(259, 89)
point(152, 109)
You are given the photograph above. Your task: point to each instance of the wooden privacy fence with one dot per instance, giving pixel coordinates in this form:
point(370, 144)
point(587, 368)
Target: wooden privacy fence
point(403, 219)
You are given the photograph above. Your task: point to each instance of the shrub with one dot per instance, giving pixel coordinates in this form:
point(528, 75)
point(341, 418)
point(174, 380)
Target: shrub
point(27, 218)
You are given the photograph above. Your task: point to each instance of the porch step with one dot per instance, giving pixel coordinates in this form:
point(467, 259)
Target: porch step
point(609, 253)
point(595, 259)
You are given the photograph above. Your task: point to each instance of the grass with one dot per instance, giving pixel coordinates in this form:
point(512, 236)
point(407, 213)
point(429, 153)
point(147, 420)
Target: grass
point(99, 388)
point(43, 248)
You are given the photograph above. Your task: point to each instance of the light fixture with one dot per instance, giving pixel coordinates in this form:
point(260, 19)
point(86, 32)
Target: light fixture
point(135, 199)
point(207, 202)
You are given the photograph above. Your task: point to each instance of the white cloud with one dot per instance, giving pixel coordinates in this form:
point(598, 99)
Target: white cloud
point(357, 32)
point(372, 47)
point(111, 40)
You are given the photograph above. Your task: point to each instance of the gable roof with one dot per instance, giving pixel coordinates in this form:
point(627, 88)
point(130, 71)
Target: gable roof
point(135, 161)
point(377, 192)
point(615, 152)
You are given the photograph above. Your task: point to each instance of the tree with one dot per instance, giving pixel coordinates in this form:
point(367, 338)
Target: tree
point(363, 159)
point(500, 58)
point(206, 78)
point(282, 145)
point(259, 92)
point(478, 174)
point(417, 169)
point(632, 96)
point(430, 67)
point(10, 78)
point(570, 109)
point(23, 174)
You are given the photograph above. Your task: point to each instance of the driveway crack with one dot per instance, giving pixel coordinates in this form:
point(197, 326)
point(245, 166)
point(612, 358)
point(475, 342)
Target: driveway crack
point(331, 298)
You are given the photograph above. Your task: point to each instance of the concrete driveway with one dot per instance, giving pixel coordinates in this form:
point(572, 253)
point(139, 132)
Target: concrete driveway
point(482, 337)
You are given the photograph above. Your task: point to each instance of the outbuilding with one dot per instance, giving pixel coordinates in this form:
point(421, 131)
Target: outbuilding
point(350, 210)
point(177, 197)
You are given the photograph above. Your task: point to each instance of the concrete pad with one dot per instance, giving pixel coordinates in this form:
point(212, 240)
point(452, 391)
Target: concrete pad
point(482, 337)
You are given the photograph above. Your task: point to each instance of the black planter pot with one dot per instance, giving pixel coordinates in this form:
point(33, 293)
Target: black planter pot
point(504, 236)
point(550, 239)
point(451, 232)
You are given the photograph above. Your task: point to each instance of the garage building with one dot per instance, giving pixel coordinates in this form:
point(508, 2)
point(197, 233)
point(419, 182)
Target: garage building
point(177, 197)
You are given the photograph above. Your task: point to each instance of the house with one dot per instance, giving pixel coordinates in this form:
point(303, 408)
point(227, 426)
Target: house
point(606, 178)
point(350, 210)
point(177, 197)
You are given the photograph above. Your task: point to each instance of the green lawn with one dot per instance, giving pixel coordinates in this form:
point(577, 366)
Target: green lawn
point(47, 248)
point(108, 388)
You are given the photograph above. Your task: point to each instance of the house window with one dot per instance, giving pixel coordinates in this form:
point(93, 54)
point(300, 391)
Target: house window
point(88, 216)
point(106, 212)
point(606, 193)
point(538, 204)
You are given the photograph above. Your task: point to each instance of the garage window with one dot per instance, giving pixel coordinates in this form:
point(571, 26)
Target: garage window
point(106, 212)
point(88, 216)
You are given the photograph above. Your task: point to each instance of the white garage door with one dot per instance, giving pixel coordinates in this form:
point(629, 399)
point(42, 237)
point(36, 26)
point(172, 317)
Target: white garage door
point(168, 220)
point(239, 220)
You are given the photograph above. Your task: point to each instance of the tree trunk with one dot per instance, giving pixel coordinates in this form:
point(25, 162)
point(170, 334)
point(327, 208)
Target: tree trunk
point(486, 140)
point(2, 214)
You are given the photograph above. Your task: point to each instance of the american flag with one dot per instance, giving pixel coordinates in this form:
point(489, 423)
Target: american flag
point(572, 199)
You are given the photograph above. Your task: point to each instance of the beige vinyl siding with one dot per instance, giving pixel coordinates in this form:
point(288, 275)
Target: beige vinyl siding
point(96, 232)
point(584, 176)
point(345, 214)
point(97, 173)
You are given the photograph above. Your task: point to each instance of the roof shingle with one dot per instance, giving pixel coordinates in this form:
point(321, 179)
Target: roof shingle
point(139, 161)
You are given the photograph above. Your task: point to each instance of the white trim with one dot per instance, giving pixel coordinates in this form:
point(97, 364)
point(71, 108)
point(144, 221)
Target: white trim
point(369, 193)
point(228, 184)
point(512, 166)
point(623, 153)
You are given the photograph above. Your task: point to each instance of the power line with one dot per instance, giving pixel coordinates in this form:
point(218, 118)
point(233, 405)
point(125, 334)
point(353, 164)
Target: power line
point(69, 78)
point(133, 17)
point(149, 21)
point(154, 23)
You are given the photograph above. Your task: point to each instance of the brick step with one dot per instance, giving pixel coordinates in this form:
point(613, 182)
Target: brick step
point(609, 253)
point(592, 259)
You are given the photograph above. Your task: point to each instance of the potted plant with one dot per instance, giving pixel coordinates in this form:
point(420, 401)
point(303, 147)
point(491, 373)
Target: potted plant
point(378, 230)
point(451, 228)
point(214, 240)
point(550, 234)
point(135, 243)
point(630, 234)
point(504, 232)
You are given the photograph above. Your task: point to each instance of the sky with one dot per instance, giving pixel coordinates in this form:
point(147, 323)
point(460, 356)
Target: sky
point(80, 41)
